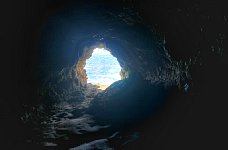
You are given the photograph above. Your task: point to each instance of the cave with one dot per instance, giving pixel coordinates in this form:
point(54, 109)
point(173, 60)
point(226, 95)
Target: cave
point(171, 84)
point(69, 105)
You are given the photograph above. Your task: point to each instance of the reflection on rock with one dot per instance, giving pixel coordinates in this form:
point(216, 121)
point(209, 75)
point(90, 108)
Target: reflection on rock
point(101, 144)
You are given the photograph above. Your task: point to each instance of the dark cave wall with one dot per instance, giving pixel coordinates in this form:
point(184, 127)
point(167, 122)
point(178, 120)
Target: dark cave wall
point(191, 28)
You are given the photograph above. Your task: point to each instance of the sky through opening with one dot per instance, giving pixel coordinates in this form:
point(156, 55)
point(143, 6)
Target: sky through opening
point(102, 68)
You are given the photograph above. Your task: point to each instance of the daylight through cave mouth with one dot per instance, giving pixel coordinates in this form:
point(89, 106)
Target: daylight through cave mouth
point(102, 68)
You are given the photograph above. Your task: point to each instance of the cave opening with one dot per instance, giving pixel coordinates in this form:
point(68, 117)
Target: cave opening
point(102, 68)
